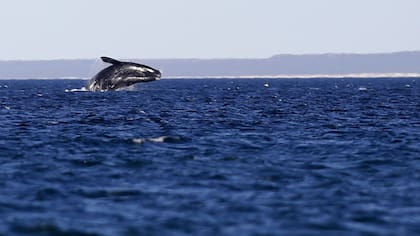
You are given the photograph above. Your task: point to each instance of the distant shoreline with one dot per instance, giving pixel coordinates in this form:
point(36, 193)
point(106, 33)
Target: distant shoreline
point(282, 66)
point(304, 76)
point(307, 76)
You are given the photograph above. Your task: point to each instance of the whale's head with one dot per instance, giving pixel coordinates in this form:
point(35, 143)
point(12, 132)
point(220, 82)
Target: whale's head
point(122, 74)
point(138, 72)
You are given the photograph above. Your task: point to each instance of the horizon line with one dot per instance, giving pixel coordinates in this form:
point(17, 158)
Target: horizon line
point(220, 58)
point(279, 76)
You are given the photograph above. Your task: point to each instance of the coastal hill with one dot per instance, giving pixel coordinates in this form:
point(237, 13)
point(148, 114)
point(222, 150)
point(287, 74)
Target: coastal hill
point(284, 64)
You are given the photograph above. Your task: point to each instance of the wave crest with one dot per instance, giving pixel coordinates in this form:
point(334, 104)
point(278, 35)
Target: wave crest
point(161, 139)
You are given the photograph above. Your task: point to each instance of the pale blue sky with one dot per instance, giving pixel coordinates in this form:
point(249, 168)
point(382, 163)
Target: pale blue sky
point(51, 29)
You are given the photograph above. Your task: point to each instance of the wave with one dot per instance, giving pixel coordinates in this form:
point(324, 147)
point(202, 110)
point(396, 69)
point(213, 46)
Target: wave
point(161, 139)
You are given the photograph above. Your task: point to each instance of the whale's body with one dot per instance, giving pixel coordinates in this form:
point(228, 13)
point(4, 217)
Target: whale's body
point(121, 74)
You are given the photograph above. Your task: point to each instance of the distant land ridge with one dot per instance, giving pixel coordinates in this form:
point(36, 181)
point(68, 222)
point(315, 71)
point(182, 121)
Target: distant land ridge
point(283, 65)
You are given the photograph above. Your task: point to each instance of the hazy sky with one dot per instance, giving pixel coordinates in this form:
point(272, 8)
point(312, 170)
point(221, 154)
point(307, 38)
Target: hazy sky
point(50, 29)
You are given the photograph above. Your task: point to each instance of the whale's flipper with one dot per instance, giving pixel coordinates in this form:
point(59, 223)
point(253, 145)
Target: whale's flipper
point(110, 60)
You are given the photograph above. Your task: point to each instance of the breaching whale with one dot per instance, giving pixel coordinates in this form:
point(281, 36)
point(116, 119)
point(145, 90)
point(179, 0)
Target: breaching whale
point(121, 74)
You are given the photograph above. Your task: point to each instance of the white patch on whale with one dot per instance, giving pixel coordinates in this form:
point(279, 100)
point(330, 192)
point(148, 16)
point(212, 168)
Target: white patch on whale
point(141, 69)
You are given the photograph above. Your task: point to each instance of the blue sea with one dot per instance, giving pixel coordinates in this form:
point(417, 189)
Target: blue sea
point(211, 157)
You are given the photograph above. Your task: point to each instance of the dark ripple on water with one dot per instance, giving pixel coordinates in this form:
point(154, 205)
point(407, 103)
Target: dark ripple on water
point(211, 157)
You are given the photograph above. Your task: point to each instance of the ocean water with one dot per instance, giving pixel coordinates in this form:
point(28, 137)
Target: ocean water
point(211, 157)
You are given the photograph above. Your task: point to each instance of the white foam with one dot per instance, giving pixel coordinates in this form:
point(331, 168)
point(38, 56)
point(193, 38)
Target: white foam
point(160, 139)
point(139, 140)
point(363, 89)
point(83, 89)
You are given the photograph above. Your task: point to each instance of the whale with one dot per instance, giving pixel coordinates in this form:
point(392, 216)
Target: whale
point(121, 74)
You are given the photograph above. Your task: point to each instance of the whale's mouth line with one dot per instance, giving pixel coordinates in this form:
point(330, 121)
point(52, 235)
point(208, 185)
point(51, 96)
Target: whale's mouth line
point(139, 79)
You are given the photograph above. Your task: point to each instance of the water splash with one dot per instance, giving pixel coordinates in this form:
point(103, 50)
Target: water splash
point(363, 89)
point(82, 89)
